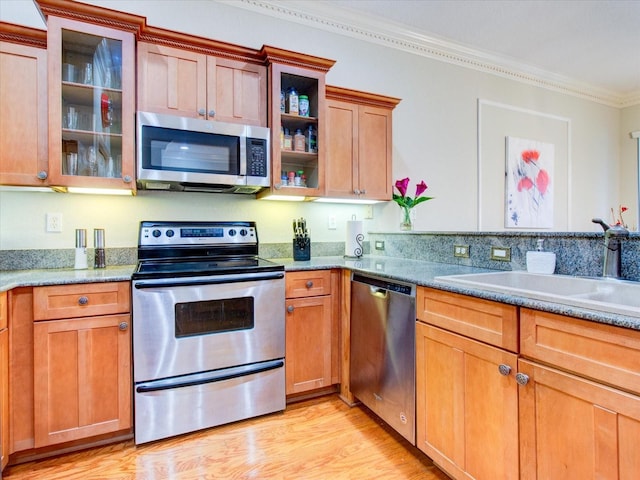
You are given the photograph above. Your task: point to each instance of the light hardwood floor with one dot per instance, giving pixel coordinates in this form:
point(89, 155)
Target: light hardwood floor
point(316, 439)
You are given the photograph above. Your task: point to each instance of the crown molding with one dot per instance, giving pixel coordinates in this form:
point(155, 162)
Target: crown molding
point(322, 16)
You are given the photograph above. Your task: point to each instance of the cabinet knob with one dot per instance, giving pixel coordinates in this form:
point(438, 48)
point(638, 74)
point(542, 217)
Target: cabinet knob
point(212, 113)
point(363, 192)
point(123, 326)
point(522, 378)
point(201, 112)
point(504, 369)
point(127, 179)
point(290, 308)
point(42, 175)
point(356, 192)
point(309, 284)
point(83, 300)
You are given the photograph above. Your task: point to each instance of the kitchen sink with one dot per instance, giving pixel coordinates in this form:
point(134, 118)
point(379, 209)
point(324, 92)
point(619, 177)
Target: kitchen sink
point(603, 294)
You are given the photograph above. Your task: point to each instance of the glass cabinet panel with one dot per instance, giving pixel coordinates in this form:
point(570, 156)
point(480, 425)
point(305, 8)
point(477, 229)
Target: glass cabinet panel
point(91, 105)
point(92, 99)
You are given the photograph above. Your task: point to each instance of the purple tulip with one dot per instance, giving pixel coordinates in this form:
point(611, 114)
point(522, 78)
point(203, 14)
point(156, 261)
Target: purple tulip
point(402, 185)
point(420, 188)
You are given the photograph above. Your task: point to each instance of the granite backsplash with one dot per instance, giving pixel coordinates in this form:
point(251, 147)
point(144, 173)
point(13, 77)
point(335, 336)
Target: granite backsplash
point(576, 253)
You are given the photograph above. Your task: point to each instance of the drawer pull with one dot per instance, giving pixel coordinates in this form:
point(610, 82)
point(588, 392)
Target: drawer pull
point(83, 300)
point(290, 308)
point(504, 369)
point(522, 378)
point(309, 284)
point(123, 326)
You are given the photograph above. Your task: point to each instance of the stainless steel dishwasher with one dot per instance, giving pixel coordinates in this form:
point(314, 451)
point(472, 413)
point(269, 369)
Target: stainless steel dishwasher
point(383, 318)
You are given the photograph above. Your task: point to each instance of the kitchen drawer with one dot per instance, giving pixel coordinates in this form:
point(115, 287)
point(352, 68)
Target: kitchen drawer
point(308, 283)
point(594, 350)
point(81, 300)
point(3, 310)
point(490, 322)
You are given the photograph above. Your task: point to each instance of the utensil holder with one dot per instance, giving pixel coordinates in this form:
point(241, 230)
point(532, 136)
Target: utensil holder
point(301, 249)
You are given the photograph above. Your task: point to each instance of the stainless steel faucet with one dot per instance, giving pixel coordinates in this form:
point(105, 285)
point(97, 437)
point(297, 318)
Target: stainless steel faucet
point(612, 247)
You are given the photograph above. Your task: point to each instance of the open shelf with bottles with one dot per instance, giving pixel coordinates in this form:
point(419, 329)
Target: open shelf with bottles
point(306, 76)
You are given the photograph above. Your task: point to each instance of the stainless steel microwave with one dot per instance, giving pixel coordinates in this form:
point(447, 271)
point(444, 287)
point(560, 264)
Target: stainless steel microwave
point(190, 154)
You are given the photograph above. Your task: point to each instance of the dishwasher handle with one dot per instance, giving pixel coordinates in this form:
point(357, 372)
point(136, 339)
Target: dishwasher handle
point(382, 286)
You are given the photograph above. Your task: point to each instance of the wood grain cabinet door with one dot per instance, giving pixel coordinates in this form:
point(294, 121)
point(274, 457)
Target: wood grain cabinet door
point(23, 122)
point(575, 428)
point(308, 344)
point(82, 378)
point(236, 92)
point(467, 411)
point(171, 81)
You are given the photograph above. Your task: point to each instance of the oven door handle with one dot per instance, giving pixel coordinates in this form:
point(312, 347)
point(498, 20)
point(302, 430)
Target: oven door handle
point(209, 377)
point(213, 280)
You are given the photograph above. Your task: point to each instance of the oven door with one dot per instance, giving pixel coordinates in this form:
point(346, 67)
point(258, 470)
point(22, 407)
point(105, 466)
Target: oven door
point(188, 325)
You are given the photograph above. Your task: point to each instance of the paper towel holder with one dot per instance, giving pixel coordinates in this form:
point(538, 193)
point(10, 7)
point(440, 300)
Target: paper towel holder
point(357, 250)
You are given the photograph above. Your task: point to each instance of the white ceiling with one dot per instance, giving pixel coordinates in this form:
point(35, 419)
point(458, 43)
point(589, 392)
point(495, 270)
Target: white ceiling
point(592, 42)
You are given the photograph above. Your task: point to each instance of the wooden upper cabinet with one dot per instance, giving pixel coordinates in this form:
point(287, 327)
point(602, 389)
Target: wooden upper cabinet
point(91, 104)
point(359, 144)
point(185, 83)
point(23, 103)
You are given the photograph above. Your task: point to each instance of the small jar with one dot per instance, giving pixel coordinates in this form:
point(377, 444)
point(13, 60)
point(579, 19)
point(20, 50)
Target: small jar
point(303, 106)
point(292, 101)
point(288, 140)
point(291, 179)
point(298, 141)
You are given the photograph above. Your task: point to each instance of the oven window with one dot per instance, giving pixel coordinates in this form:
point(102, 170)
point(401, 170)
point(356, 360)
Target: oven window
point(214, 316)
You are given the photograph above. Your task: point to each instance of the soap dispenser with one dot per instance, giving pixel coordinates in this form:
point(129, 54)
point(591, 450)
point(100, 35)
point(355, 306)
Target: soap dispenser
point(539, 261)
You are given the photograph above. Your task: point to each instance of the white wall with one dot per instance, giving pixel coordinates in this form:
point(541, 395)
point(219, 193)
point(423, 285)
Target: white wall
point(435, 139)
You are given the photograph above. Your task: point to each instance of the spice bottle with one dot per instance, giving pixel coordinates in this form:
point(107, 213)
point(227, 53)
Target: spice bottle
point(311, 140)
point(303, 106)
point(292, 101)
point(288, 140)
point(98, 243)
point(298, 141)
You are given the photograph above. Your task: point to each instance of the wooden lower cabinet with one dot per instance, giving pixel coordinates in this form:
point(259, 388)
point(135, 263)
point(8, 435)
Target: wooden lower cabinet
point(467, 411)
point(308, 344)
point(82, 378)
point(571, 427)
point(312, 330)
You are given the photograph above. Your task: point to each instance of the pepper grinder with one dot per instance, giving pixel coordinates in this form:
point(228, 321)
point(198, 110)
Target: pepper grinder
point(98, 243)
point(81, 249)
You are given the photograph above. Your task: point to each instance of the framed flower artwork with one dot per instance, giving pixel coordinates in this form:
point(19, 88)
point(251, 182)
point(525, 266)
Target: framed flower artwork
point(529, 183)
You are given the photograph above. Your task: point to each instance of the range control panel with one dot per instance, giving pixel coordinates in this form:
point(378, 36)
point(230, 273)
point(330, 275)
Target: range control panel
point(197, 233)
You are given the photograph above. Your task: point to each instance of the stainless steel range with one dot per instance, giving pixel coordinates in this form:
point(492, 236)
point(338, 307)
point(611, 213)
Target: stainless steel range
point(208, 328)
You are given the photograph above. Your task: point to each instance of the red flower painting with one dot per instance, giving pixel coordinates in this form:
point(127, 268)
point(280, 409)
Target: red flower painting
point(529, 192)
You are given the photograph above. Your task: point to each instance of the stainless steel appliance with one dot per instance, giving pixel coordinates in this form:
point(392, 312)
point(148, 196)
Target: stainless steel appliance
point(192, 154)
point(383, 317)
point(208, 328)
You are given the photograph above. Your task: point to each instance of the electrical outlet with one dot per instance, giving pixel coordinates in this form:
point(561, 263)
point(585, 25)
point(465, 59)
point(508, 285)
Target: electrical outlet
point(331, 222)
point(501, 254)
point(368, 212)
point(54, 222)
point(461, 251)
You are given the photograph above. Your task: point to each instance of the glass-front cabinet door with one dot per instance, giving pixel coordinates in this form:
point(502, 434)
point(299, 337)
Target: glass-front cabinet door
point(91, 105)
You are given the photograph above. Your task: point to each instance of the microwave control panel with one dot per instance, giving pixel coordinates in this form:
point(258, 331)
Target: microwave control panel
point(257, 155)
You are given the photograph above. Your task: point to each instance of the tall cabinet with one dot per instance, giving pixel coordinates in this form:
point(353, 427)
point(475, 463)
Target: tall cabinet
point(306, 75)
point(359, 140)
point(23, 103)
point(91, 104)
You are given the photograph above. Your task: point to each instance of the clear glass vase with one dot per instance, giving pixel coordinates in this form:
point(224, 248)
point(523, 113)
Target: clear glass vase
point(406, 224)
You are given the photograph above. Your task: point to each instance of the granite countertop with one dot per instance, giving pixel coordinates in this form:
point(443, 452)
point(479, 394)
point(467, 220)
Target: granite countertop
point(412, 271)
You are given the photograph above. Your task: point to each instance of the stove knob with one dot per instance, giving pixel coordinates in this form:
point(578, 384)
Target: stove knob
point(232, 233)
point(156, 233)
point(243, 232)
point(170, 233)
